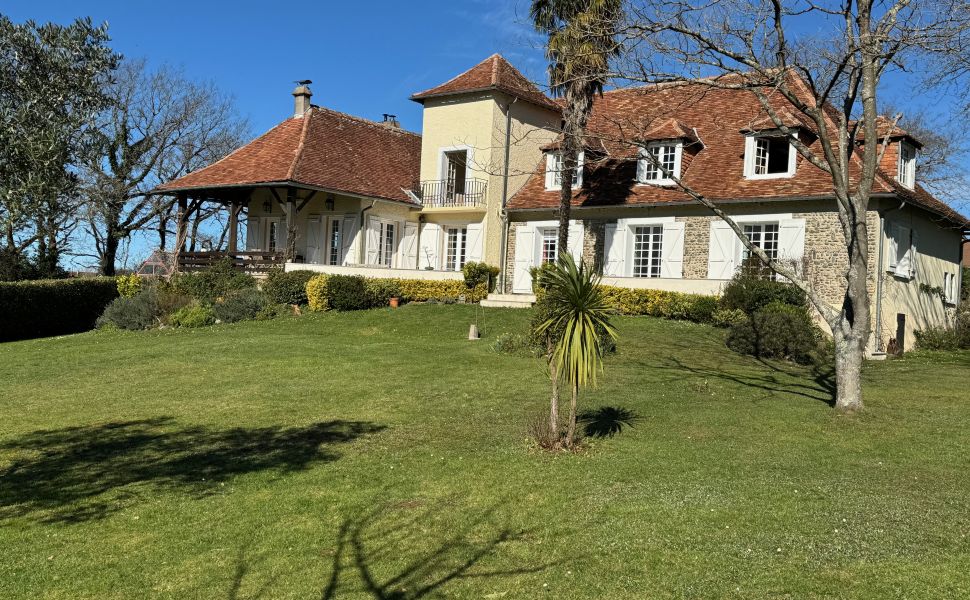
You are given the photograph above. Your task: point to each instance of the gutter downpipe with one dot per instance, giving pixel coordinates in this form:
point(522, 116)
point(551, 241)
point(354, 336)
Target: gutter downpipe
point(503, 250)
point(362, 252)
point(879, 273)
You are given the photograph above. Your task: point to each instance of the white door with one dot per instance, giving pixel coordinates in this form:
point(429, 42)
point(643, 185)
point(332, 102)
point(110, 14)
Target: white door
point(475, 243)
point(525, 251)
point(409, 246)
point(313, 239)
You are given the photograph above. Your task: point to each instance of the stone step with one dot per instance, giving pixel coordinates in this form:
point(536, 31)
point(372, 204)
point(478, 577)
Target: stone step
point(509, 301)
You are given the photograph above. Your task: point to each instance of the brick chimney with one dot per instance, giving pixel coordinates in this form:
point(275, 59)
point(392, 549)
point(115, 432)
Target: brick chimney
point(302, 96)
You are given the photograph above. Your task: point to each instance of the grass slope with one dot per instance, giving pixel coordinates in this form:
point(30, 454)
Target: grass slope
point(381, 455)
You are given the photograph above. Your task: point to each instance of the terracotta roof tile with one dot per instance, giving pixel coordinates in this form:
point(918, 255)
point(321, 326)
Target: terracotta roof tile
point(325, 149)
point(719, 116)
point(493, 73)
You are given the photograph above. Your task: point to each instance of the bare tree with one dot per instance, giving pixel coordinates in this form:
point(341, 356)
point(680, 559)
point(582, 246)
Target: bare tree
point(160, 126)
point(831, 79)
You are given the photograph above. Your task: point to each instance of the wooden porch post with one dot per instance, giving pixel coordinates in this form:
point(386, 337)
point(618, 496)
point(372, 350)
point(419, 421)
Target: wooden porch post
point(290, 224)
point(181, 219)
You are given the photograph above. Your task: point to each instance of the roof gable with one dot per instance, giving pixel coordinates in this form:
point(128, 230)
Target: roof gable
point(493, 73)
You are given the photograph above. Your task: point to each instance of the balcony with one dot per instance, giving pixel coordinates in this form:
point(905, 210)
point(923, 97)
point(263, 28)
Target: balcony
point(448, 193)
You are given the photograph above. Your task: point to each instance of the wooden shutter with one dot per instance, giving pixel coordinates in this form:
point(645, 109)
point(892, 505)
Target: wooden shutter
point(252, 234)
point(430, 246)
point(550, 170)
point(350, 227)
point(575, 243)
point(409, 246)
point(313, 226)
point(372, 235)
point(722, 252)
point(614, 249)
point(525, 238)
point(791, 241)
point(672, 251)
point(903, 251)
point(474, 242)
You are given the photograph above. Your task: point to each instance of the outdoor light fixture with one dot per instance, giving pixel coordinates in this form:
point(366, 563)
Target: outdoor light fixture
point(267, 206)
point(329, 203)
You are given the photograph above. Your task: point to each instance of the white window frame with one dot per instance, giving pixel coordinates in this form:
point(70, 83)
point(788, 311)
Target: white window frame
point(906, 169)
point(334, 259)
point(750, 147)
point(742, 249)
point(461, 246)
point(543, 232)
point(901, 265)
point(643, 163)
point(387, 257)
point(553, 170)
point(649, 252)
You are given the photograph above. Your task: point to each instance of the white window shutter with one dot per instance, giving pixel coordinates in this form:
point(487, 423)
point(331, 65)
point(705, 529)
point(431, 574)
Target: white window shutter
point(575, 242)
point(550, 170)
point(409, 246)
point(474, 243)
point(672, 251)
point(313, 240)
point(913, 249)
point(430, 246)
point(791, 241)
point(371, 241)
point(524, 256)
point(349, 231)
point(903, 266)
point(722, 255)
point(748, 157)
point(614, 248)
point(641, 165)
point(252, 234)
point(893, 246)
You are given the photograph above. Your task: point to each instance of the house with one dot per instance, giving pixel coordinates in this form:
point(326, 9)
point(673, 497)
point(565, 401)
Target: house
point(342, 194)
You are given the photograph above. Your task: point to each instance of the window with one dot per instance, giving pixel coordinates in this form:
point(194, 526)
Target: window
point(456, 162)
point(272, 235)
point(901, 251)
point(647, 244)
point(550, 245)
point(554, 171)
point(455, 248)
point(385, 245)
point(666, 155)
point(907, 165)
point(768, 156)
point(335, 248)
point(762, 235)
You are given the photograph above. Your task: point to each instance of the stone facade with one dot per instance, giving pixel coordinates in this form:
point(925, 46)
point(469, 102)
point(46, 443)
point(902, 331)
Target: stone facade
point(697, 241)
point(825, 259)
point(594, 236)
point(509, 260)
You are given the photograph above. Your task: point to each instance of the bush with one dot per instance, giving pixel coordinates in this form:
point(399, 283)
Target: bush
point(316, 293)
point(129, 285)
point(141, 311)
point(511, 343)
point(348, 292)
point(422, 290)
point(53, 307)
point(14, 266)
point(750, 292)
point(956, 337)
point(194, 315)
point(479, 273)
point(240, 306)
point(287, 288)
point(661, 303)
point(726, 317)
point(217, 281)
point(539, 275)
point(778, 330)
point(382, 290)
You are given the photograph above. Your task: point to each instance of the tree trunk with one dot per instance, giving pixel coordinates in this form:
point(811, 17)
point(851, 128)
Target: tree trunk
point(571, 432)
point(851, 331)
point(554, 400)
point(848, 374)
point(109, 253)
point(162, 232)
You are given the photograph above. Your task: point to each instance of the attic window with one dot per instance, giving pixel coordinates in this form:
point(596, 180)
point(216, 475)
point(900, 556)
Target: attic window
point(659, 163)
point(554, 171)
point(907, 165)
point(768, 156)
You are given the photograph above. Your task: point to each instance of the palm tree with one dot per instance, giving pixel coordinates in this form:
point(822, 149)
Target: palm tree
point(581, 42)
point(580, 317)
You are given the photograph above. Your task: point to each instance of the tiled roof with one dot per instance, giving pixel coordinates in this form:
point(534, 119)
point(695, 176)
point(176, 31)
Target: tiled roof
point(324, 149)
point(714, 168)
point(493, 73)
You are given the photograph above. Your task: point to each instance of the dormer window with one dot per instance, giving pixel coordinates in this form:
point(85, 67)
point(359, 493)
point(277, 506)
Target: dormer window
point(768, 156)
point(659, 162)
point(907, 165)
point(554, 171)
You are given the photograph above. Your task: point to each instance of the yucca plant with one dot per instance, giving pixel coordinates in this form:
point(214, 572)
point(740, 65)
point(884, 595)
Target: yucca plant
point(580, 317)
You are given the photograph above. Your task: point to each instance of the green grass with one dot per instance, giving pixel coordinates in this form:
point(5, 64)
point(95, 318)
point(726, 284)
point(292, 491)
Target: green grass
point(382, 455)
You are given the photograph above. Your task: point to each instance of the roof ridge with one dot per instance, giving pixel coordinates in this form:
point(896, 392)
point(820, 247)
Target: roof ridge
point(364, 121)
point(299, 147)
point(462, 74)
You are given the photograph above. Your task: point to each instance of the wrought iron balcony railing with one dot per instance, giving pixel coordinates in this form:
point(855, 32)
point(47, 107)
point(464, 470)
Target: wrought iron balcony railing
point(451, 193)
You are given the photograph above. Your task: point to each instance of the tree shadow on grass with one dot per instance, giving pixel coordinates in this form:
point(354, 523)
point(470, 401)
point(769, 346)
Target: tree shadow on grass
point(606, 421)
point(368, 547)
point(83, 473)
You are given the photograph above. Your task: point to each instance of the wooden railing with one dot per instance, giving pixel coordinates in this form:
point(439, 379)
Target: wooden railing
point(250, 262)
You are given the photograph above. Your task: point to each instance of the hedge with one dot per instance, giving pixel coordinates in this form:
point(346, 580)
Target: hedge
point(30, 309)
point(661, 303)
point(320, 291)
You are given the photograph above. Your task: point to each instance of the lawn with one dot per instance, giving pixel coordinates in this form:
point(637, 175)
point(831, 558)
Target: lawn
point(382, 455)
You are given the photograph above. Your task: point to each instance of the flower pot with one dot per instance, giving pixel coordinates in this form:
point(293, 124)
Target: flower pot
point(394, 302)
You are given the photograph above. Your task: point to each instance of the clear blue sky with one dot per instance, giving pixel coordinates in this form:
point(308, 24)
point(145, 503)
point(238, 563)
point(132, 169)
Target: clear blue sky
point(365, 58)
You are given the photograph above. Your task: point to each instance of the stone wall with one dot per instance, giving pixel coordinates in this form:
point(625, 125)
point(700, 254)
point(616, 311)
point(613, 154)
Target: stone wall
point(509, 260)
point(825, 258)
point(697, 240)
point(594, 238)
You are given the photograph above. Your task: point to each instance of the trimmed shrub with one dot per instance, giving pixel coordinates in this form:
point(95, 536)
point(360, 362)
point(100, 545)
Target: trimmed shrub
point(382, 290)
point(240, 306)
point(662, 303)
point(141, 311)
point(777, 330)
point(53, 307)
point(287, 288)
point(129, 285)
point(348, 292)
point(479, 273)
point(316, 293)
point(750, 292)
point(194, 315)
point(420, 290)
point(726, 317)
point(217, 281)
